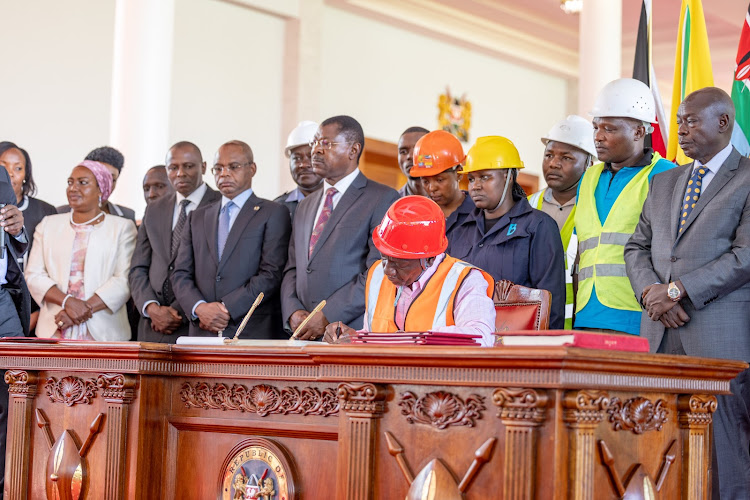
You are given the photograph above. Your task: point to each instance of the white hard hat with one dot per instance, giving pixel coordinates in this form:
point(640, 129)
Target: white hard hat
point(302, 134)
point(626, 98)
point(574, 130)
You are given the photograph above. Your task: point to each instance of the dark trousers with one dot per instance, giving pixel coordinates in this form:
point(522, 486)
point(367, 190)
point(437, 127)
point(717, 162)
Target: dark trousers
point(10, 326)
point(731, 432)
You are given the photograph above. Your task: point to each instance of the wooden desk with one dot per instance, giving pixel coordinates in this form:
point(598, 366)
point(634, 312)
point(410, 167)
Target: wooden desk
point(352, 422)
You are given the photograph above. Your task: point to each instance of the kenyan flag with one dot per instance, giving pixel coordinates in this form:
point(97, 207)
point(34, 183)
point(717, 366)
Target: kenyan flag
point(741, 91)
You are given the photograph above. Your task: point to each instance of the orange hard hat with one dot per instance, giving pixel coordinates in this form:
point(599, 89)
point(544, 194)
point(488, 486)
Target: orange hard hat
point(412, 228)
point(436, 152)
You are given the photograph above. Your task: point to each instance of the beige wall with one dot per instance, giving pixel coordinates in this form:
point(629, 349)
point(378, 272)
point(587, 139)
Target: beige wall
point(56, 84)
point(227, 79)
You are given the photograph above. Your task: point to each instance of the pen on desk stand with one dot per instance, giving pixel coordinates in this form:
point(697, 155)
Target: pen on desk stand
point(308, 318)
point(246, 318)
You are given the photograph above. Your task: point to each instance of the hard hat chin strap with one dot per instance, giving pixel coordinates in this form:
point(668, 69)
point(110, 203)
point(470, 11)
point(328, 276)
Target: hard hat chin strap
point(424, 265)
point(505, 191)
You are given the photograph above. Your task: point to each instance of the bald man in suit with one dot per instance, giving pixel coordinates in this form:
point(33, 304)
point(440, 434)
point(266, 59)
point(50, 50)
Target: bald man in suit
point(331, 247)
point(232, 250)
point(161, 317)
point(689, 264)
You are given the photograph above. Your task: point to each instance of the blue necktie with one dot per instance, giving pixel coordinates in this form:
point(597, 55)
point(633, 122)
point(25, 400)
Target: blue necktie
point(695, 186)
point(223, 232)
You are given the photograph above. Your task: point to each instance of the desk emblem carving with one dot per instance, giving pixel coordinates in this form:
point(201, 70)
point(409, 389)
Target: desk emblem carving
point(435, 480)
point(637, 414)
point(638, 485)
point(261, 399)
point(66, 466)
point(70, 390)
point(441, 409)
point(257, 469)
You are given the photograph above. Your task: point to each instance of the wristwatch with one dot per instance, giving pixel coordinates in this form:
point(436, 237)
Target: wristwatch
point(673, 292)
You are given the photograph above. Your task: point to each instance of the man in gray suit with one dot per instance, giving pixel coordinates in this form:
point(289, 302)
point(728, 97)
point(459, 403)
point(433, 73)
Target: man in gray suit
point(331, 247)
point(689, 264)
point(231, 250)
point(162, 318)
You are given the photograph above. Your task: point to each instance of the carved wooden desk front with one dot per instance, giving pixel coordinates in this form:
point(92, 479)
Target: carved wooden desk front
point(147, 421)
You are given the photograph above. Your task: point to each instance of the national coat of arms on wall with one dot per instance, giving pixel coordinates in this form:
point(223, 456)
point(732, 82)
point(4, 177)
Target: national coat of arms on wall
point(454, 115)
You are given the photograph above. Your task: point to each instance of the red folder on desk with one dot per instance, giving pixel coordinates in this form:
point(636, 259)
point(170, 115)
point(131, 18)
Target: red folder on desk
point(418, 338)
point(571, 338)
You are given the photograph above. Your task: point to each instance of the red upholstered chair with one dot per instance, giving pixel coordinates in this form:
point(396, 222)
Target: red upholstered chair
point(520, 308)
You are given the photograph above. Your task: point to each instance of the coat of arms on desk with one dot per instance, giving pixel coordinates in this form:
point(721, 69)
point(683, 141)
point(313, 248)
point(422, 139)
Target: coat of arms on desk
point(257, 469)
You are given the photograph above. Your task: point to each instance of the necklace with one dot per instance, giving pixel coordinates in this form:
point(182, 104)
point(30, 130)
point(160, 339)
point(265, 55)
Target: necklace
point(84, 223)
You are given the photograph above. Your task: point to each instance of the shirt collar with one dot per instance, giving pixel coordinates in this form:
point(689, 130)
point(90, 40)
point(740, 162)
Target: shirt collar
point(343, 184)
point(427, 274)
point(717, 161)
point(238, 200)
point(295, 195)
point(195, 197)
point(549, 198)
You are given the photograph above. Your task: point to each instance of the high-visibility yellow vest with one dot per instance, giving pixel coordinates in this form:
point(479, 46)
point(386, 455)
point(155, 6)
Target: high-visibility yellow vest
point(602, 247)
point(570, 244)
point(433, 308)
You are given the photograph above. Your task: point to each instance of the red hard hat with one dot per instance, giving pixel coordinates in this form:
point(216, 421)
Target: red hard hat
point(436, 152)
point(413, 228)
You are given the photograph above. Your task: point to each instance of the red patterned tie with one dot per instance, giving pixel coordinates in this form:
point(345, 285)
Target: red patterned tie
point(325, 214)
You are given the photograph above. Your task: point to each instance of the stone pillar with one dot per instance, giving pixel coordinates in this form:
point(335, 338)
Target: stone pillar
point(599, 49)
point(141, 91)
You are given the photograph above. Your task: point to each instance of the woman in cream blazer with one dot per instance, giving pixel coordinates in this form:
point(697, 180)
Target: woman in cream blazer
point(111, 242)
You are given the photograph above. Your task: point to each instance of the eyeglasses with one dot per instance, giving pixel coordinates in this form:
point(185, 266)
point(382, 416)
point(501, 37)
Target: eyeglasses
point(325, 143)
point(231, 168)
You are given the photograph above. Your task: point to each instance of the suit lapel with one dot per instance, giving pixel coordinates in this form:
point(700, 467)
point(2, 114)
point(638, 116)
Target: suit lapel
point(725, 173)
point(343, 206)
point(211, 227)
point(678, 195)
point(249, 209)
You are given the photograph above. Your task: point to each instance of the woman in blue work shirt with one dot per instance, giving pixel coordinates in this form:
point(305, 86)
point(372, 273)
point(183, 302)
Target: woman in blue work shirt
point(504, 235)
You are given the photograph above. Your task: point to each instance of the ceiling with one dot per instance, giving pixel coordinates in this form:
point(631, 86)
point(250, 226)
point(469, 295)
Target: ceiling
point(539, 34)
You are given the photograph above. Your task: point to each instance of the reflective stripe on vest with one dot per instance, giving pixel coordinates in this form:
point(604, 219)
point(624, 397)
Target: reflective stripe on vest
point(602, 264)
point(570, 244)
point(432, 308)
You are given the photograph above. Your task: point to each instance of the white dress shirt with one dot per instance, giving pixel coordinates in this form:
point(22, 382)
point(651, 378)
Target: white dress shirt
point(194, 198)
point(341, 186)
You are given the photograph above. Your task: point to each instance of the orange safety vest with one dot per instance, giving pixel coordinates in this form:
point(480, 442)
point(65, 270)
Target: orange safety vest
point(433, 307)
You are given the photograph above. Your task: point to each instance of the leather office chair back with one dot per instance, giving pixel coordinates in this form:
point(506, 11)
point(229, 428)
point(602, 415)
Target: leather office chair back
point(520, 308)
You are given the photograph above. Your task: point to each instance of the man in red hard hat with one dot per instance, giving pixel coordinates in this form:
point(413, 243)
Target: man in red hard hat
point(425, 289)
point(437, 158)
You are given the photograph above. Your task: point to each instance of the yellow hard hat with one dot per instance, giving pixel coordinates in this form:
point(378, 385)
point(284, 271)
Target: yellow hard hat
point(491, 153)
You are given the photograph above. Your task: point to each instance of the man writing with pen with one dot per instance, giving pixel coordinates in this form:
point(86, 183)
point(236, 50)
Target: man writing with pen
point(416, 286)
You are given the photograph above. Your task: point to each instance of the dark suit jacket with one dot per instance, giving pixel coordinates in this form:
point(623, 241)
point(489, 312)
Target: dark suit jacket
point(128, 213)
point(152, 263)
point(711, 257)
point(337, 269)
point(16, 284)
point(252, 262)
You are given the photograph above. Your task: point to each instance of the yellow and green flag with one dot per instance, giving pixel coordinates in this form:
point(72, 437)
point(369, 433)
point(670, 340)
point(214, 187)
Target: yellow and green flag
point(692, 69)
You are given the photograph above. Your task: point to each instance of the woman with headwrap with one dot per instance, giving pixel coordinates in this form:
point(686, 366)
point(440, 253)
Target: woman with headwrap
point(78, 267)
point(504, 235)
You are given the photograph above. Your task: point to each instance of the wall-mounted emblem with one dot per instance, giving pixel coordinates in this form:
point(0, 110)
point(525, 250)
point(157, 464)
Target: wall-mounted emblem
point(454, 115)
point(257, 469)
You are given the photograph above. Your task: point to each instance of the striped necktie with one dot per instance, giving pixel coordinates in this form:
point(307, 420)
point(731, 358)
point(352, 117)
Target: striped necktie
point(325, 214)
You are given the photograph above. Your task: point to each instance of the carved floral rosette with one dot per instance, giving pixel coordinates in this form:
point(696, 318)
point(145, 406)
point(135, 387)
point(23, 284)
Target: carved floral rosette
point(520, 404)
point(637, 414)
point(21, 382)
point(70, 390)
point(261, 399)
point(441, 409)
